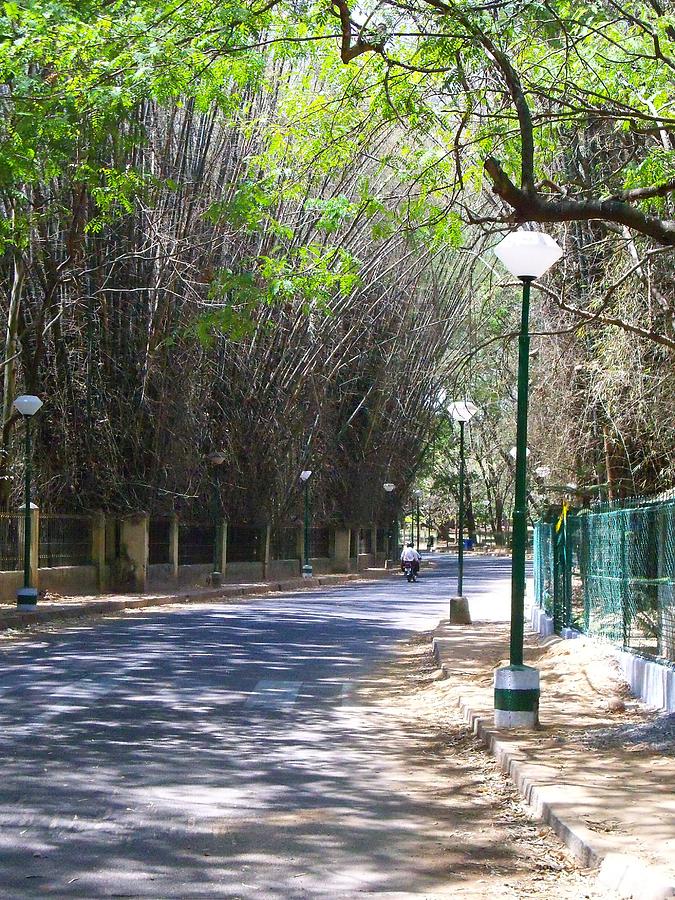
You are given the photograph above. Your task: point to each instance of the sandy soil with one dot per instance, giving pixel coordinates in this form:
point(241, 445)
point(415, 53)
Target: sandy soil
point(410, 694)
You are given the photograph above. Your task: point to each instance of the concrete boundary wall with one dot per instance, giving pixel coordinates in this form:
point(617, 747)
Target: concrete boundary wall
point(65, 580)
point(68, 580)
point(321, 565)
point(120, 560)
point(283, 568)
point(365, 561)
point(10, 582)
point(650, 681)
point(194, 574)
point(243, 571)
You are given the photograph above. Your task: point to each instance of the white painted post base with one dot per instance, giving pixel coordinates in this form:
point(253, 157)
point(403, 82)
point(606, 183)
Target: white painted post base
point(459, 611)
point(516, 697)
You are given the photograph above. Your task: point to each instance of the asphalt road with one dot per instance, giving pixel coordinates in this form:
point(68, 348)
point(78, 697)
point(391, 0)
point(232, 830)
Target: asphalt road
point(216, 751)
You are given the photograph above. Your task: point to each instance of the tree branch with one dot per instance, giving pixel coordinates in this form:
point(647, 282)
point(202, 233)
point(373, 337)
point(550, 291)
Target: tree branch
point(348, 49)
point(532, 207)
point(645, 193)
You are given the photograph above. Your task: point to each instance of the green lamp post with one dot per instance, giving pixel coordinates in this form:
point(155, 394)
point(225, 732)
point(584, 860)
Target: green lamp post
point(417, 494)
point(389, 488)
point(307, 566)
point(217, 459)
point(461, 411)
point(26, 597)
point(527, 255)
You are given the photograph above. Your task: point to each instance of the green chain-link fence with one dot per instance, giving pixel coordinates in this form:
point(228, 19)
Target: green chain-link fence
point(610, 572)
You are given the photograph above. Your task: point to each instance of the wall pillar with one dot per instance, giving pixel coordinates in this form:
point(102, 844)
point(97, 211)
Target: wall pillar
point(134, 545)
point(34, 541)
point(98, 550)
point(266, 550)
point(340, 549)
point(173, 545)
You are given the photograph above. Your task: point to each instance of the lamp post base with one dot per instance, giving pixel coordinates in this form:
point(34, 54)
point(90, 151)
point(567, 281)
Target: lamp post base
point(307, 571)
point(516, 697)
point(26, 599)
point(459, 611)
point(216, 579)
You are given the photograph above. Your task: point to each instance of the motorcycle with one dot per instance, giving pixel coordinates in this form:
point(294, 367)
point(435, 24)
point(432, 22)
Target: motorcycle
point(409, 572)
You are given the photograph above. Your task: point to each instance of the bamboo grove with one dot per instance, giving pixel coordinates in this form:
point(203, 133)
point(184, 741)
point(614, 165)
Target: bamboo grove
point(275, 315)
point(263, 230)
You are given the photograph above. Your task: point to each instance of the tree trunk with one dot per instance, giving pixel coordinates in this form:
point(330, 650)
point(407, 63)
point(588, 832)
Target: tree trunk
point(470, 518)
point(9, 381)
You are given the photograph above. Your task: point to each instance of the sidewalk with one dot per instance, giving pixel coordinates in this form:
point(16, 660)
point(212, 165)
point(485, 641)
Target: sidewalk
point(103, 604)
point(600, 770)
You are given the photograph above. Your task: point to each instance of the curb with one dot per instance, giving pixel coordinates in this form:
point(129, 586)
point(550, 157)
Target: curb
point(10, 618)
point(627, 875)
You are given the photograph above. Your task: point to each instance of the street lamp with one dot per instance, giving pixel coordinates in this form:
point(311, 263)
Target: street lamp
point(527, 255)
point(393, 549)
point(513, 452)
point(26, 597)
point(417, 494)
point(216, 459)
point(462, 411)
point(307, 567)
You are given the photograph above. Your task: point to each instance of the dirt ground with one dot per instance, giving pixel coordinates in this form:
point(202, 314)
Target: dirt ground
point(408, 693)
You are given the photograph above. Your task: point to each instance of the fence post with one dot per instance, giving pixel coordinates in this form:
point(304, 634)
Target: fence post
point(568, 525)
point(584, 568)
point(34, 563)
point(267, 539)
point(98, 554)
point(134, 540)
point(625, 613)
point(536, 563)
point(174, 530)
point(666, 590)
point(558, 579)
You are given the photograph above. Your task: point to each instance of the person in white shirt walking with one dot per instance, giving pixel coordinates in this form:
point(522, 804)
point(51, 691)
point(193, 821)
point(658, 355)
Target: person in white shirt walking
point(410, 555)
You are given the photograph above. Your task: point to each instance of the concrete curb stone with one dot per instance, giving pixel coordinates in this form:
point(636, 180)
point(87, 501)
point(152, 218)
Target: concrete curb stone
point(628, 876)
point(11, 618)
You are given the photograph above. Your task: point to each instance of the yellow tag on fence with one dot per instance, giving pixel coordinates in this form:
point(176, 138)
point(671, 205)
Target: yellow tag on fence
point(562, 517)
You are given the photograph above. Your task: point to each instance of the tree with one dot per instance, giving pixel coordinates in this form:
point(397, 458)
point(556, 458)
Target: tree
point(513, 83)
point(190, 277)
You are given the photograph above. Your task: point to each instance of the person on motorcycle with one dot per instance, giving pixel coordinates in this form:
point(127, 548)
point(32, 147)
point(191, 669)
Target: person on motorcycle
point(411, 556)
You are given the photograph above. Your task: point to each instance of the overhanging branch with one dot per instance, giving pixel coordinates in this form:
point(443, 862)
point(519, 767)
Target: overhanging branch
point(350, 49)
point(533, 207)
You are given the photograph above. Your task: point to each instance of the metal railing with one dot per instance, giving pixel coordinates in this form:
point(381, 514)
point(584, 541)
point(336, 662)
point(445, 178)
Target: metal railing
point(65, 540)
point(196, 543)
point(11, 556)
point(244, 543)
point(365, 540)
point(159, 541)
point(284, 543)
point(319, 542)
